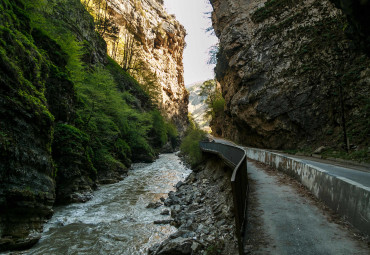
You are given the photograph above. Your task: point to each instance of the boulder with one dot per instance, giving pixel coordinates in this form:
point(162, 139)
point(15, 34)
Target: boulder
point(177, 246)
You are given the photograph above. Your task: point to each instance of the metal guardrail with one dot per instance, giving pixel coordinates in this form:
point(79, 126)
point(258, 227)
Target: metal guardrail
point(236, 158)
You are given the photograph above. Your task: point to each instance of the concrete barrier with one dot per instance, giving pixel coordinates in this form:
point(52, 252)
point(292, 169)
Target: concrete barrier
point(346, 197)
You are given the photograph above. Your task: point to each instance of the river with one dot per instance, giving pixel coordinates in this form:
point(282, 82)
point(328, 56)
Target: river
point(116, 220)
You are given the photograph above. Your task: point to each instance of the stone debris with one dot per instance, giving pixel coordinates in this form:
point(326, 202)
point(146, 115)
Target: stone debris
point(165, 212)
point(201, 209)
point(154, 205)
point(162, 222)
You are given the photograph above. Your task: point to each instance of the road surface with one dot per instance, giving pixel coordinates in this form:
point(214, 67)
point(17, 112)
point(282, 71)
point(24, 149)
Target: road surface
point(292, 224)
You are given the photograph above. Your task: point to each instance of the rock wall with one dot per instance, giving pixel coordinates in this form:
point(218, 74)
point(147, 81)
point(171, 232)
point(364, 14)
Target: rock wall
point(27, 188)
point(357, 13)
point(160, 41)
point(198, 107)
point(289, 74)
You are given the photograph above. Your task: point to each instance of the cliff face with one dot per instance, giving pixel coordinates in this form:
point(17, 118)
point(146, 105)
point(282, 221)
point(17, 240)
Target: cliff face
point(290, 76)
point(357, 13)
point(27, 188)
point(159, 41)
point(198, 107)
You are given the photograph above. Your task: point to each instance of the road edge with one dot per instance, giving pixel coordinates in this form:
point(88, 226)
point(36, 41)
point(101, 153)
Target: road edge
point(348, 198)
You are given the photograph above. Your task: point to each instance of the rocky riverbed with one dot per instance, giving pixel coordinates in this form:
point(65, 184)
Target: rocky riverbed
point(201, 209)
point(116, 220)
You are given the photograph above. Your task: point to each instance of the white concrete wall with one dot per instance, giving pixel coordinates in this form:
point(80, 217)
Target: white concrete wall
point(350, 199)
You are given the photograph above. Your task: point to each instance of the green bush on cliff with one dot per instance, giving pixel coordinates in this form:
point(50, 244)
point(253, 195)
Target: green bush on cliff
point(172, 133)
point(190, 143)
point(23, 70)
point(71, 149)
point(107, 118)
point(218, 104)
point(214, 100)
point(159, 129)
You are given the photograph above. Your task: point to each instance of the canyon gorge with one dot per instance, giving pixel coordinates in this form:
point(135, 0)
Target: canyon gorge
point(90, 87)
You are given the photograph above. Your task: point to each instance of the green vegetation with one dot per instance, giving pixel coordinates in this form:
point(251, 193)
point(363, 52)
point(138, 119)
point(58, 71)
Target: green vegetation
point(215, 100)
point(102, 117)
point(22, 72)
point(190, 143)
point(124, 48)
point(215, 248)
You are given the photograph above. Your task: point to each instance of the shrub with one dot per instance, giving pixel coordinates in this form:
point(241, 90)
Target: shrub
point(190, 143)
point(218, 104)
point(172, 133)
point(214, 100)
point(159, 130)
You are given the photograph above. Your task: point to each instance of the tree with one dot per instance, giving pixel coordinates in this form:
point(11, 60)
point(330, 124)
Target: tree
point(212, 52)
point(214, 100)
point(103, 21)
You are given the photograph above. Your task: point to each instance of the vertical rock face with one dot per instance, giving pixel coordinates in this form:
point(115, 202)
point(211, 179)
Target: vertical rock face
point(357, 13)
point(198, 107)
point(26, 169)
point(289, 75)
point(160, 43)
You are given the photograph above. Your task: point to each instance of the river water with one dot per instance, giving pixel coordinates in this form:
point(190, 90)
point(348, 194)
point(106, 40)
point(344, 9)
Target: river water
point(116, 220)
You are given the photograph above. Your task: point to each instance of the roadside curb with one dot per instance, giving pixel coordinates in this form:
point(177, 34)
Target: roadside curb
point(346, 197)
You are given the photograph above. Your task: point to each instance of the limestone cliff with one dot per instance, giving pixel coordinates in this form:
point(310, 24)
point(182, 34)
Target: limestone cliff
point(198, 107)
point(290, 76)
point(159, 41)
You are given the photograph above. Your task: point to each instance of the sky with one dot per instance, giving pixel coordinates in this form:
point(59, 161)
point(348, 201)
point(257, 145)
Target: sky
point(191, 14)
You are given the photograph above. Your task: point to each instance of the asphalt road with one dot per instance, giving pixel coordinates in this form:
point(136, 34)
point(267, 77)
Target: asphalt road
point(338, 171)
point(293, 225)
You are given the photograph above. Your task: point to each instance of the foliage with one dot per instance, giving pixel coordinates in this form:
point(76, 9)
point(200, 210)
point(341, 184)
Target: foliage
point(159, 129)
point(213, 52)
point(109, 125)
point(130, 87)
point(218, 104)
point(23, 70)
point(172, 133)
point(125, 49)
point(108, 118)
point(71, 144)
point(190, 143)
point(162, 131)
point(103, 23)
point(149, 83)
point(214, 101)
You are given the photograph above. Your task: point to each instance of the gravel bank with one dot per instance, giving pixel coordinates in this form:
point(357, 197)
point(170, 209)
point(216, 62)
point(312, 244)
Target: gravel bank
point(202, 210)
